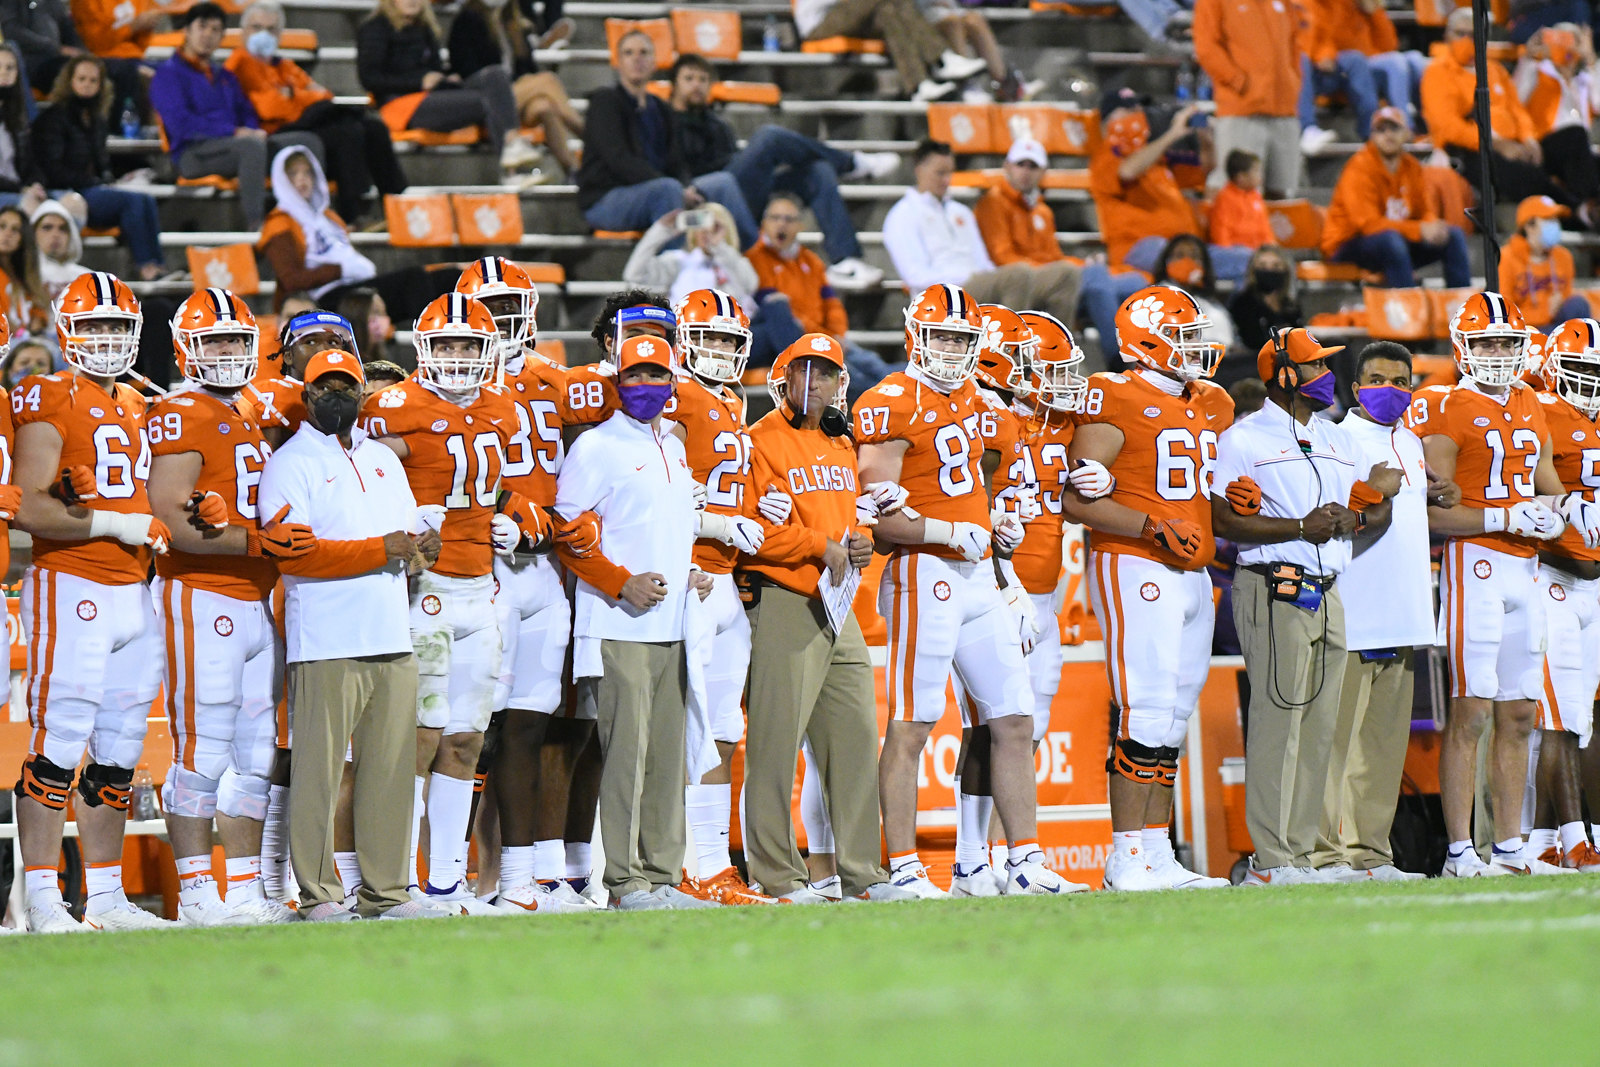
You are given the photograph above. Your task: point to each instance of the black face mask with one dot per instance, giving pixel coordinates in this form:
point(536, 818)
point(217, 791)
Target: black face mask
point(334, 413)
point(1272, 281)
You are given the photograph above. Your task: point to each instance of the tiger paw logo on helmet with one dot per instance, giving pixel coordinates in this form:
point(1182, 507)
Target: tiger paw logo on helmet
point(1148, 313)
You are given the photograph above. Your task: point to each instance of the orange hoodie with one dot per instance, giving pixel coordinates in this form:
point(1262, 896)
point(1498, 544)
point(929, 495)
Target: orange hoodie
point(106, 27)
point(1447, 89)
point(279, 91)
point(1369, 198)
point(1015, 232)
point(1536, 288)
point(1341, 26)
point(1151, 204)
point(1239, 218)
point(1251, 49)
point(804, 280)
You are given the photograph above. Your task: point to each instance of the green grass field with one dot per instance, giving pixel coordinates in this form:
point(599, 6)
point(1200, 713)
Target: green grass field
point(1375, 973)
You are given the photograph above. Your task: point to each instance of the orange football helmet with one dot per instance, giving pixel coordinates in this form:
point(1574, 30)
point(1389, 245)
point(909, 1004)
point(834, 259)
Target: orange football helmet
point(707, 313)
point(206, 322)
point(98, 323)
point(5, 339)
point(1162, 327)
point(1572, 363)
point(1005, 355)
point(1056, 382)
point(1538, 371)
point(467, 366)
point(1485, 316)
point(811, 346)
point(509, 294)
point(948, 315)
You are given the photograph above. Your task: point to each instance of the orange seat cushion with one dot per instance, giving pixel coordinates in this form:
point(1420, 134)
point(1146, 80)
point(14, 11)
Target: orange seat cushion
point(843, 46)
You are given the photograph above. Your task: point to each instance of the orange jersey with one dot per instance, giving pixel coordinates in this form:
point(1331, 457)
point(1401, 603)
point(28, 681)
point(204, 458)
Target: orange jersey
point(274, 402)
point(104, 432)
point(942, 470)
point(535, 453)
point(455, 459)
point(1002, 435)
point(717, 444)
point(1497, 452)
point(819, 474)
point(1576, 442)
point(1169, 446)
point(232, 452)
point(590, 397)
point(1044, 462)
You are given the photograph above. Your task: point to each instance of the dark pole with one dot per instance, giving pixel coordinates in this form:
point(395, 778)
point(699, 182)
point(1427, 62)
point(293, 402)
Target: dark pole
point(1480, 114)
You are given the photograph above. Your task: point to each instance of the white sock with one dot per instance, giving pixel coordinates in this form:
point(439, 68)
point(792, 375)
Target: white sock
point(549, 861)
point(1541, 838)
point(1594, 832)
point(1572, 836)
point(195, 882)
point(1128, 843)
point(1024, 851)
point(580, 859)
point(1157, 842)
point(43, 883)
point(903, 863)
point(417, 807)
point(449, 808)
point(516, 865)
point(1460, 848)
point(244, 877)
point(972, 830)
point(1511, 846)
point(814, 810)
point(709, 808)
point(349, 869)
point(275, 843)
point(1530, 788)
point(102, 878)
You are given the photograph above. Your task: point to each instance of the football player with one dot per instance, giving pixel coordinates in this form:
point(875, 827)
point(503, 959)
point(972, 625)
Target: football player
point(921, 429)
point(708, 416)
point(1155, 428)
point(1553, 810)
point(450, 428)
point(224, 659)
point(94, 657)
point(1494, 442)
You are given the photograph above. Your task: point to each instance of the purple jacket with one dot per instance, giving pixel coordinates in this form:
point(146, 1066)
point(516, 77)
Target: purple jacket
point(194, 107)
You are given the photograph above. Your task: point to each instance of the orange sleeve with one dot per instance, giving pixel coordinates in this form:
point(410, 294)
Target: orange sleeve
point(1383, 35)
point(1227, 218)
point(96, 23)
point(996, 230)
point(1363, 496)
point(1512, 263)
point(1316, 40)
point(1211, 50)
point(338, 559)
point(790, 543)
point(1543, 103)
point(1444, 109)
point(596, 570)
point(1561, 259)
point(1365, 206)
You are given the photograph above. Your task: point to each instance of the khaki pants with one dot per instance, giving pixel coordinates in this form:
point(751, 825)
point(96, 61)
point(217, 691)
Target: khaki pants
point(1296, 676)
point(1368, 758)
point(639, 705)
point(1276, 139)
point(911, 41)
point(1052, 287)
point(370, 704)
point(805, 683)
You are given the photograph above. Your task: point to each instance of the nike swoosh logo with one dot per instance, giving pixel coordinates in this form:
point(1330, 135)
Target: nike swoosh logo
point(1210, 417)
point(641, 466)
point(334, 478)
point(822, 457)
point(1264, 877)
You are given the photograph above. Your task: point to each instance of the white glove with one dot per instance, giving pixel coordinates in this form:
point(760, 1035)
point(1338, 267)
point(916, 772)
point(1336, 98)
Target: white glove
point(775, 506)
point(699, 495)
point(135, 530)
point(1021, 606)
point(1008, 532)
point(744, 534)
point(1091, 479)
point(967, 538)
point(1583, 515)
point(504, 535)
point(1028, 506)
point(1526, 519)
point(888, 496)
point(428, 517)
point(866, 511)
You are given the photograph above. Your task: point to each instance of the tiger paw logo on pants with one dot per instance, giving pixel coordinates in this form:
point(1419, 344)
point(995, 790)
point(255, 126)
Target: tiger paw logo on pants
point(1482, 568)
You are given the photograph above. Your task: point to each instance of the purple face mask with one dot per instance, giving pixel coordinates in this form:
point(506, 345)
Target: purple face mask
point(643, 401)
point(1385, 403)
point(1319, 390)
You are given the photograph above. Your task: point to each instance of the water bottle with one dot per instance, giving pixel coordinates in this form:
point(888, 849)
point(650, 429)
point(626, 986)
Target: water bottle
point(143, 803)
point(770, 41)
point(130, 120)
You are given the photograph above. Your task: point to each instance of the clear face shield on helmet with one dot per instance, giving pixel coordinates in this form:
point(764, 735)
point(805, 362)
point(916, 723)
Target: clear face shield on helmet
point(223, 356)
point(1578, 379)
point(103, 342)
point(716, 351)
point(1494, 357)
point(778, 387)
point(946, 352)
point(457, 360)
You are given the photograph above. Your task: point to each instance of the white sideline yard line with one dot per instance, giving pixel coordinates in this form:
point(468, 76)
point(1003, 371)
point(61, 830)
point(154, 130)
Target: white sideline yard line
point(1491, 927)
point(1497, 897)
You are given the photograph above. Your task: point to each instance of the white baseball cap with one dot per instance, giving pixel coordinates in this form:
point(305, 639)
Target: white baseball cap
point(1026, 148)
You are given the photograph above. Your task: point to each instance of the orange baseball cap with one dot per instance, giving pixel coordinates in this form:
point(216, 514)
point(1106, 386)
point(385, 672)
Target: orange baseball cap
point(636, 351)
point(1539, 207)
point(1391, 114)
point(1299, 345)
point(333, 361)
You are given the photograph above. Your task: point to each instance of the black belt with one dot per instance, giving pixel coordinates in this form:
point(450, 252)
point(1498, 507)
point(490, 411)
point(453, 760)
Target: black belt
point(1321, 581)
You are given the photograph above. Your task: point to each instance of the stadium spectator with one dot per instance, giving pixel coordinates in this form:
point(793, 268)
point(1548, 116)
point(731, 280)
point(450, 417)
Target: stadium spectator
point(69, 145)
point(1239, 214)
point(1556, 82)
point(210, 126)
point(485, 35)
point(1251, 50)
point(776, 158)
point(1516, 162)
point(44, 34)
point(1166, 22)
point(1528, 17)
point(59, 246)
point(21, 181)
point(1336, 61)
point(928, 69)
point(934, 240)
point(968, 33)
point(631, 169)
point(1186, 263)
point(371, 328)
point(399, 63)
point(27, 303)
point(1536, 271)
point(1381, 217)
point(788, 272)
point(1136, 195)
point(308, 245)
point(27, 357)
point(1266, 302)
point(1364, 26)
point(285, 97)
point(118, 31)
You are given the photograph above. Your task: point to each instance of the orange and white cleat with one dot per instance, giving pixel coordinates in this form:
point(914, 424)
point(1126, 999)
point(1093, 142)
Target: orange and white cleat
point(724, 887)
point(1551, 855)
point(1585, 858)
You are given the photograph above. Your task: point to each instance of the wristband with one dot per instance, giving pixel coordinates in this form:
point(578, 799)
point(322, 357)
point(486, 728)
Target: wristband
point(1494, 520)
point(124, 528)
point(938, 531)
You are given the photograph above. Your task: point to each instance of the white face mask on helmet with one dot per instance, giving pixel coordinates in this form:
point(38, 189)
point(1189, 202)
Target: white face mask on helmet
point(105, 355)
point(203, 365)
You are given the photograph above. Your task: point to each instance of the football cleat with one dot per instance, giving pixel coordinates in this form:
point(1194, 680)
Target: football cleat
point(1388, 872)
point(1131, 874)
point(978, 882)
point(260, 911)
point(331, 911)
point(52, 917)
point(806, 894)
point(458, 898)
point(210, 911)
point(1551, 854)
point(832, 888)
point(888, 892)
point(1467, 865)
point(916, 880)
point(563, 891)
point(540, 898)
point(642, 900)
point(119, 913)
point(1275, 876)
point(1342, 873)
point(675, 898)
point(1583, 858)
point(726, 887)
point(416, 909)
point(1537, 866)
point(1166, 868)
point(1032, 877)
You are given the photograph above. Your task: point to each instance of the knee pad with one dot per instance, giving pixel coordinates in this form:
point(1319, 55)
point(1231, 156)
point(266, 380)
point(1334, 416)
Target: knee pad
point(244, 796)
point(44, 782)
point(1143, 763)
point(189, 794)
point(101, 783)
point(433, 678)
point(491, 744)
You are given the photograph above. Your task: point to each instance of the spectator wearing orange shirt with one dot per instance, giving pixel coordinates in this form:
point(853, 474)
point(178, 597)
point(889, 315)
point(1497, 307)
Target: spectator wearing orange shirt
point(1136, 197)
point(287, 98)
point(118, 31)
point(1239, 215)
point(1380, 218)
point(1536, 271)
point(1556, 81)
point(1251, 49)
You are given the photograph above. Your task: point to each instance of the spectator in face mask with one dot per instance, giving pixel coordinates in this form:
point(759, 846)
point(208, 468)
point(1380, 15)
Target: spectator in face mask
point(1186, 263)
point(1535, 271)
point(1267, 301)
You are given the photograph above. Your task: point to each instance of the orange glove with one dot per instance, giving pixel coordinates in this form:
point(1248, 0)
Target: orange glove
point(76, 485)
point(1178, 536)
point(207, 511)
point(1245, 495)
point(281, 540)
point(581, 536)
point(533, 522)
point(159, 538)
point(10, 501)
